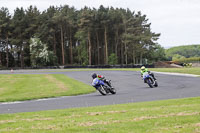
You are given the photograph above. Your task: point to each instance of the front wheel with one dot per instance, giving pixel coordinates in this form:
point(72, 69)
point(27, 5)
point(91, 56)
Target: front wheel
point(149, 82)
point(102, 90)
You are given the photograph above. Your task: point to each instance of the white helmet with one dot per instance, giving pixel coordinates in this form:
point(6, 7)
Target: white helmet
point(143, 68)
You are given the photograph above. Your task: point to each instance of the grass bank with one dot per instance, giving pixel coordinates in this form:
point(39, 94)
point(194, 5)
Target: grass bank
point(17, 87)
point(167, 116)
point(192, 70)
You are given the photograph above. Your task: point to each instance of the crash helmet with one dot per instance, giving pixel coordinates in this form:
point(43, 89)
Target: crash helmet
point(143, 68)
point(94, 75)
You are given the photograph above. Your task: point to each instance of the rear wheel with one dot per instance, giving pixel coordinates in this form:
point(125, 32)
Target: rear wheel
point(156, 84)
point(113, 90)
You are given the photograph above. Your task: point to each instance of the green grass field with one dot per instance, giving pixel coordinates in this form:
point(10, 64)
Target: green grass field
point(167, 116)
point(14, 87)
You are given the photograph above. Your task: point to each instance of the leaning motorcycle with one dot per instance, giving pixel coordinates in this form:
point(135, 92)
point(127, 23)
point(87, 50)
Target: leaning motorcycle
point(150, 80)
point(102, 87)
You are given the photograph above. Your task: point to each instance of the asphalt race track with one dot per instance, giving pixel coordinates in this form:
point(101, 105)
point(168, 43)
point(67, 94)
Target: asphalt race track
point(129, 85)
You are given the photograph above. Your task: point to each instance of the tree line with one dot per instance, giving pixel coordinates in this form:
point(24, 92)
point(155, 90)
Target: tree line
point(66, 36)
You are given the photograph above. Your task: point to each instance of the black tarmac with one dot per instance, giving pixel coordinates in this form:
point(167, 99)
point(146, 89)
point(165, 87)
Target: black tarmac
point(129, 85)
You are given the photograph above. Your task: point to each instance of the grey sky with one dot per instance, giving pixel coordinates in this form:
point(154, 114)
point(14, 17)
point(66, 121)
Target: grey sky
point(178, 21)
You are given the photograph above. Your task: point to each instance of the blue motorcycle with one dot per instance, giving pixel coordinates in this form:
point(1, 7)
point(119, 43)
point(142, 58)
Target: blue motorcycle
point(103, 86)
point(149, 80)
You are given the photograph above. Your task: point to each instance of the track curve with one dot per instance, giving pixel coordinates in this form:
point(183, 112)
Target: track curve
point(129, 86)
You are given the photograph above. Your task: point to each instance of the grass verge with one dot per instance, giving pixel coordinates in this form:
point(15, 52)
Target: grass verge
point(192, 70)
point(181, 115)
point(19, 87)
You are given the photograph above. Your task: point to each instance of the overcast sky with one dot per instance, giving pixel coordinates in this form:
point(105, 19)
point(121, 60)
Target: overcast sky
point(178, 21)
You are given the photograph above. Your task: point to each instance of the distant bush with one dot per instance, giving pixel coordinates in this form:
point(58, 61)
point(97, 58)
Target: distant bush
point(112, 59)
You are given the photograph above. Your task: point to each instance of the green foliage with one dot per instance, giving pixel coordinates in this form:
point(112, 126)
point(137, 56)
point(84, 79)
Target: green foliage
point(180, 52)
point(184, 54)
point(4, 23)
point(112, 59)
point(82, 56)
point(156, 53)
point(99, 32)
point(137, 37)
point(5, 20)
point(40, 54)
point(177, 57)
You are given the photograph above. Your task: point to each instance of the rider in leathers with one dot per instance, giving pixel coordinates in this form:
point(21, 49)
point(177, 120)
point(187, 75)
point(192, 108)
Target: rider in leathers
point(100, 77)
point(143, 70)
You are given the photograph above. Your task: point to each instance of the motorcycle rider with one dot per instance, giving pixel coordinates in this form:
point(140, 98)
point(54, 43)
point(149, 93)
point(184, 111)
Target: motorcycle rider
point(143, 70)
point(100, 77)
